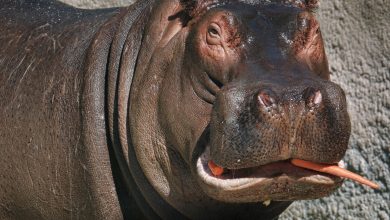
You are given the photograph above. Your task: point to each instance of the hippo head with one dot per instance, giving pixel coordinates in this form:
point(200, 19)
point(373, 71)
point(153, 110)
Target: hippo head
point(246, 85)
point(264, 69)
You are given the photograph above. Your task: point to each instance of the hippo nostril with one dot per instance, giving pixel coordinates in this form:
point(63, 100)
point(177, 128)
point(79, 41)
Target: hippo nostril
point(313, 97)
point(265, 99)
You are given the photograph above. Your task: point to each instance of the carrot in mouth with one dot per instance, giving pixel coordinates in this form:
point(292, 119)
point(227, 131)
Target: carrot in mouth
point(334, 170)
point(215, 169)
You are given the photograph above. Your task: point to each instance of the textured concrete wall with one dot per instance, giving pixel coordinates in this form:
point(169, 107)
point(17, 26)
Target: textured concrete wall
point(357, 35)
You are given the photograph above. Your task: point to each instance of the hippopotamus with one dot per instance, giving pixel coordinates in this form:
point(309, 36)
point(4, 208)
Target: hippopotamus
point(117, 113)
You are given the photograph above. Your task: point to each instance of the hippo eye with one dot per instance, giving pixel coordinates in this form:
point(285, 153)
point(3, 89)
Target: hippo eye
point(213, 34)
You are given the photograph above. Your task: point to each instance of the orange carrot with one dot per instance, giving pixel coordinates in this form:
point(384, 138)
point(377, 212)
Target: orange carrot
point(215, 169)
point(334, 170)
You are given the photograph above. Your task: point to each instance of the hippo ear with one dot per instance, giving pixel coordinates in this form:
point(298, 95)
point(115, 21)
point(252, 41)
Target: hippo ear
point(312, 4)
point(187, 10)
point(189, 6)
point(193, 8)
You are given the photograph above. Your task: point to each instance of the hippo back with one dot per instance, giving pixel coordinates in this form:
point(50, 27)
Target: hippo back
point(46, 169)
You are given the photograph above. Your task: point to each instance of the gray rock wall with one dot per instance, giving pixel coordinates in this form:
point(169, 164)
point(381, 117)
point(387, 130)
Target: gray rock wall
point(357, 36)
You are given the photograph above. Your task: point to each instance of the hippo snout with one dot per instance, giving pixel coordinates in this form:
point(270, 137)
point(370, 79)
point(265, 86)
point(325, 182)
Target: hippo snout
point(257, 124)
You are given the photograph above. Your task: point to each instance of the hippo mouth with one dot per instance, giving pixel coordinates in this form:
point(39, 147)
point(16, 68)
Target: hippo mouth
point(276, 181)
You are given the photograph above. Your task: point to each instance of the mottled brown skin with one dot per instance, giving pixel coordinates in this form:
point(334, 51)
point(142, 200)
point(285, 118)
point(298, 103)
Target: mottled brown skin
point(111, 114)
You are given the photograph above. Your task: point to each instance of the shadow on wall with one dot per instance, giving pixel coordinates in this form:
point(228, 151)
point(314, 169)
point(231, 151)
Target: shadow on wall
point(357, 39)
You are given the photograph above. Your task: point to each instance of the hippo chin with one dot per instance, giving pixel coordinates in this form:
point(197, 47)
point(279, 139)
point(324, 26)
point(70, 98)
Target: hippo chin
point(117, 113)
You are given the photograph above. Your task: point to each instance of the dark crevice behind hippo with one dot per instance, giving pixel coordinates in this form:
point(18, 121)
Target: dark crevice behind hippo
point(118, 113)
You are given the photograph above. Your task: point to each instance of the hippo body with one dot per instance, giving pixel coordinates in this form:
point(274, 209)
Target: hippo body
point(113, 113)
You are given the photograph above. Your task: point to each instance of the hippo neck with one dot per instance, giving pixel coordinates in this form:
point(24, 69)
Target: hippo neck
point(122, 61)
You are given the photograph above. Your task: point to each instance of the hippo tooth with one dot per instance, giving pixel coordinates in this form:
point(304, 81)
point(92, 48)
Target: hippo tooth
point(267, 202)
point(317, 98)
point(341, 164)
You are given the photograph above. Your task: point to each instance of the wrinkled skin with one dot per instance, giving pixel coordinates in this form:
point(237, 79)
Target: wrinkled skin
point(115, 113)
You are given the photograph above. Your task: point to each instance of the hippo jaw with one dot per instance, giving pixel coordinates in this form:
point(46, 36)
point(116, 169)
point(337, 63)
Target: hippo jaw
point(277, 181)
